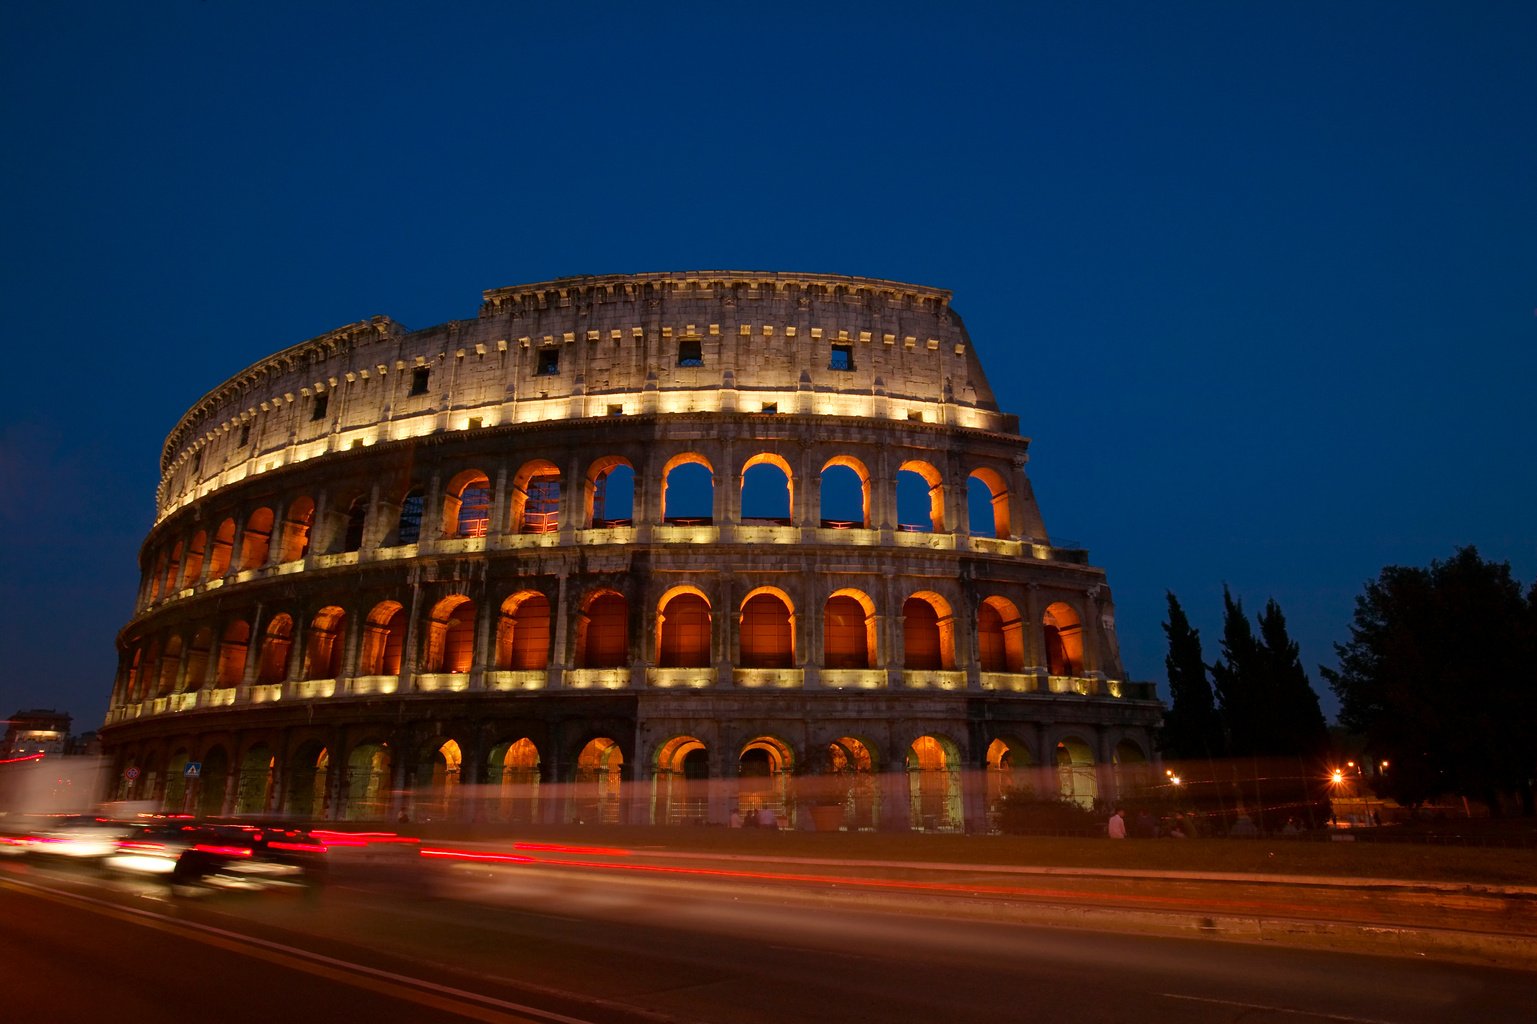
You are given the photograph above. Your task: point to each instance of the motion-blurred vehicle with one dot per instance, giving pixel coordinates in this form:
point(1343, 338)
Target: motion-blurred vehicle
point(78, 836)
point(194, 856)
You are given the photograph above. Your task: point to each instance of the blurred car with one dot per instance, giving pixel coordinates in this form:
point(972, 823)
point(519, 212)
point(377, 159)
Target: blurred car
point(79, 836)
point(194, 855)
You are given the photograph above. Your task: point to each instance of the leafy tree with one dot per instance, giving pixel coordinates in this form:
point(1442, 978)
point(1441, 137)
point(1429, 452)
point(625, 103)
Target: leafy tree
point(1440, 675)
point(1191, 729)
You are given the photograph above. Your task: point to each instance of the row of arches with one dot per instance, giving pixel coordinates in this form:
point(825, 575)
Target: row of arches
point(520, 631)
point(684, 781)
point(535, 499)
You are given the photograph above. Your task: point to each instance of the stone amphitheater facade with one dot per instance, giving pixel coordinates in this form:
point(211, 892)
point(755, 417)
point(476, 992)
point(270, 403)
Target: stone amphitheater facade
point(642, 548)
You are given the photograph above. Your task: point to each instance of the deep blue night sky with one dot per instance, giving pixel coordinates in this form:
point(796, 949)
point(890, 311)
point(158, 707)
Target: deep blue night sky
point(1259, 280)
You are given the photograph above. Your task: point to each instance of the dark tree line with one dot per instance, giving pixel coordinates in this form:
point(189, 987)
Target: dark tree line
point(1246, 731)
point(1255, 702)
point(1440, 678)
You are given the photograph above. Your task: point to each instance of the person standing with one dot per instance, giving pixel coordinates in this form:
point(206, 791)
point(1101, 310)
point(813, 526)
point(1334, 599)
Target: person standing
point(1116, 828)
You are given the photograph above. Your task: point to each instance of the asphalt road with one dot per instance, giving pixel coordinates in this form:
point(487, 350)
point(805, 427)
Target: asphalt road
point(520, 942)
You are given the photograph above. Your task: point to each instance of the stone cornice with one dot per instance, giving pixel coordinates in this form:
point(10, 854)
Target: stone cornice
point(314, 350)
point(692, 284)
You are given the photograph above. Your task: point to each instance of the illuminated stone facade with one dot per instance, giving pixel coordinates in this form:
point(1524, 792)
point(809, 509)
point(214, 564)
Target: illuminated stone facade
point(640, 548)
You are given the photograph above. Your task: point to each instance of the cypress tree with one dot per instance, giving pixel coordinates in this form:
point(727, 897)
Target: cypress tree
point(1234, 679)
point(1291, 721)
point(1191, 728)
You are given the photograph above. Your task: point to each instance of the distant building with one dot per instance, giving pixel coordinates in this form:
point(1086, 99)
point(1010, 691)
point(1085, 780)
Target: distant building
point(640, 548)
point(39, 731)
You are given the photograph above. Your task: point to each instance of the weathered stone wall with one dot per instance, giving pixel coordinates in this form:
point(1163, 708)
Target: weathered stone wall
point(281, 538)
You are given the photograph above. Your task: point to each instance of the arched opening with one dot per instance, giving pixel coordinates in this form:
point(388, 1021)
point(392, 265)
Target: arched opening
point(767, 490)
point(1008, 763)
point(599, 769)
point(683, 629)
point(296, 530)
point(368, 782)
point(437, 788)
point(603, 631)
point(408, 528)
point(383, 640)
point(197, 660)
point(610, 493)
point(920, 498)
point(844, 494)
point(850, 785)
point(450, 636)
point(357, 520)
point(682, 782)
point(253, 789)
point(175, 800)
point(276, 642)
point(987, 504)
point(149, 677)
point(1075, 772)
point(848, 630)
point(513, 773)
point(208, 800)
point(767, 630)
point(306, 786)
point(688, 490)
point(467, 505)
point(933, 784)
point(1132, 771)
point(130, 692)
point(323, 649)
point(1064, 640)
point(193, 571)
point(536, 498)
point(928, 633)
point(172, 570)
point(233, 648)
point(523, 632)
point(154, 580)
point(223, 547)
point(1000, 636)
point(170, 665)
point(764, 769)
point(256, 542)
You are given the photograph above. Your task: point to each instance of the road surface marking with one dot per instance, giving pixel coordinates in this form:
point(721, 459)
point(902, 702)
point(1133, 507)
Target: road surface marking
point(1277, 1009)
point(472, 1005)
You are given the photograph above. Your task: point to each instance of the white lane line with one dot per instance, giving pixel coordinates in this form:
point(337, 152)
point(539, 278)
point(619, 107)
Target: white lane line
point(1278, 1009)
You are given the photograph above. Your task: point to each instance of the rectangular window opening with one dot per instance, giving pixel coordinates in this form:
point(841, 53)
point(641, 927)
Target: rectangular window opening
point(616, 410)
point(549, 362)
point(690, 353)
point(245, 434)
point(842, 358)
point(319, 411)
point(771, 407)
point(419, 378)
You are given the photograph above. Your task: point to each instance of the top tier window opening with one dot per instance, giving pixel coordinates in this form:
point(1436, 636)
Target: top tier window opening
point(549, 362)
point(419, 378)
point(842, 358)
point(690, 352)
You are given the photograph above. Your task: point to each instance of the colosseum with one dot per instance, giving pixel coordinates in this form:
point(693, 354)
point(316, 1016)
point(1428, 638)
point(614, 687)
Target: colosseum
point(645, 548)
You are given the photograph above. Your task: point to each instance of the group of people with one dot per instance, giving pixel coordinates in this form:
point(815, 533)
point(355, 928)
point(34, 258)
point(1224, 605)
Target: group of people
point(1145, 827)
point(760, 817)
